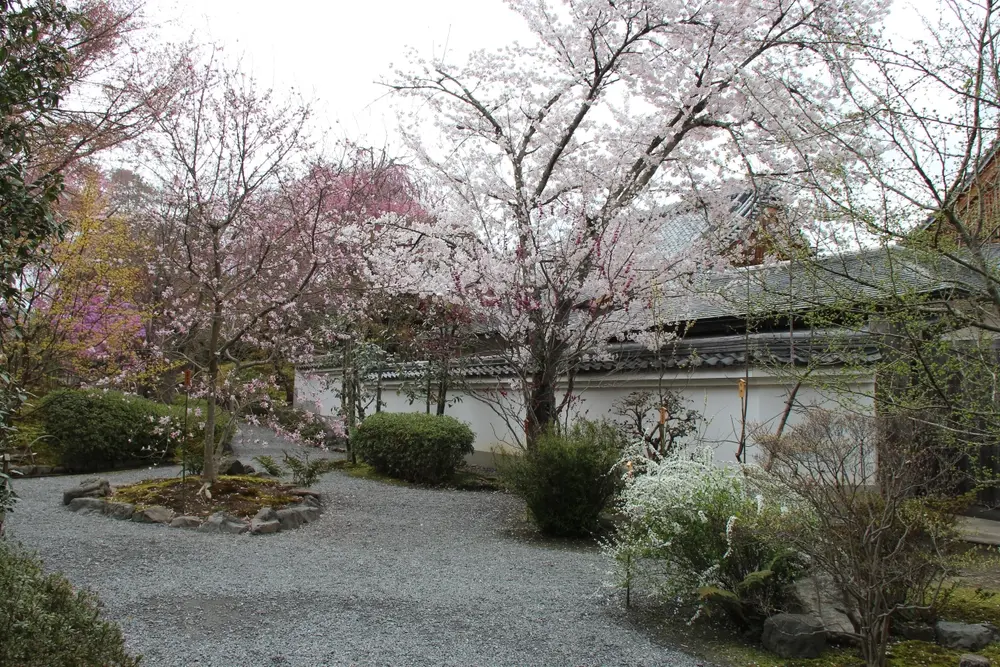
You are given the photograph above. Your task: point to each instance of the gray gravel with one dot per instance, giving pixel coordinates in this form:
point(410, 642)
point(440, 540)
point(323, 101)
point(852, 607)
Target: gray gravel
point(389, 575)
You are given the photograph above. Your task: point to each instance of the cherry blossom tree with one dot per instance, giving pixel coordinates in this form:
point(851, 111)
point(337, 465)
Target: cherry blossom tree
point(561, 163)
point(255, 233)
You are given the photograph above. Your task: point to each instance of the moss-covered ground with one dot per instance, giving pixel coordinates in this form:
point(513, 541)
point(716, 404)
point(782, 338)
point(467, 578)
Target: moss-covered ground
point(241, 496)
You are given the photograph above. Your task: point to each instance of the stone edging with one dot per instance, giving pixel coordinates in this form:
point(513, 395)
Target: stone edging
point(92, 497)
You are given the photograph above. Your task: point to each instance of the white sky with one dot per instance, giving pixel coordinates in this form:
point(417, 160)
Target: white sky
point(334, 51)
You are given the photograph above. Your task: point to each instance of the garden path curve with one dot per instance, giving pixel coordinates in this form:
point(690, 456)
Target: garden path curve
point(389, 575)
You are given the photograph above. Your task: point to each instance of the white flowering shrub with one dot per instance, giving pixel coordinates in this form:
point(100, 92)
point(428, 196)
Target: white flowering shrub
point(700, 533)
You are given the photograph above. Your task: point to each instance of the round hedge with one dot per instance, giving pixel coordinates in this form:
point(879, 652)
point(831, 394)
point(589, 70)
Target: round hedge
point(415, 447)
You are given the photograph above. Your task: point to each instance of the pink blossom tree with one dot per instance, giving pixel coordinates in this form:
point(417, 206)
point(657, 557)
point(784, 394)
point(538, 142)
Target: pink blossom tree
point(560, 163)
point(252, 233)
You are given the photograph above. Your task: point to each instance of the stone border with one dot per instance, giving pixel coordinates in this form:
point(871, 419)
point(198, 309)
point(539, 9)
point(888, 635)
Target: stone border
point(92, 497)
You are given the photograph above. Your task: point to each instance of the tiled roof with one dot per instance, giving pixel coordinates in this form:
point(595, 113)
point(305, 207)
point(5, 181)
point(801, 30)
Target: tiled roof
point(799, 285)
point(825, 348)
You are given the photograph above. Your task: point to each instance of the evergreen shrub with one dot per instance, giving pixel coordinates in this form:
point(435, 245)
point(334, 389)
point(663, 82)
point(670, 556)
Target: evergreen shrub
point(415, 447)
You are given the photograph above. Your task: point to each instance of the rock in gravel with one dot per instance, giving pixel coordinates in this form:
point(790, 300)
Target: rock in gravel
point(794, 636)
point(185, 521)
point(119, 510)
point(220, 522)
point(310, 501)
point(973, 660)
point(265, 514)
point(304, 492)
point(258, 527)
point(293, 517)
point(86, 505)
point(969, 636)
point(88, 488)
point(154, 514)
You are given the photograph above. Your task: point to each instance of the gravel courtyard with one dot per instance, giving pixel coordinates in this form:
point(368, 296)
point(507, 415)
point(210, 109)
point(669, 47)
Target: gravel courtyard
point(388, 576)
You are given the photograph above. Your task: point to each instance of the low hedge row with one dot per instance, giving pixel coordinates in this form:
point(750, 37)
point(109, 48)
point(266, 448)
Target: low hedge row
point(93, 430)
point(415, 447)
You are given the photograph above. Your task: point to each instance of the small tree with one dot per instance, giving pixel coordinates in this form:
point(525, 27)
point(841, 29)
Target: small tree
point(880, 520)
point(253, 233)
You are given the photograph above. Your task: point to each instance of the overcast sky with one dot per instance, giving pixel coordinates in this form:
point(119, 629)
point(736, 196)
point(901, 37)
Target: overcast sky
point(335, 50)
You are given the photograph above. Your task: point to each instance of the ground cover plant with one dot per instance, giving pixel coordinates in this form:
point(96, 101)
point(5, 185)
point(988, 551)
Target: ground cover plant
point(567, 479)
point(237, 495)
point(45, 623)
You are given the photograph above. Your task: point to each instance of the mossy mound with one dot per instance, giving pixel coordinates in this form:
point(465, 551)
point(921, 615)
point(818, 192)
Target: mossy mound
point(238, 495)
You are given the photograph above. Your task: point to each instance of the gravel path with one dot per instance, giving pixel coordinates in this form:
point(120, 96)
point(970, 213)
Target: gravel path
point(388, 576)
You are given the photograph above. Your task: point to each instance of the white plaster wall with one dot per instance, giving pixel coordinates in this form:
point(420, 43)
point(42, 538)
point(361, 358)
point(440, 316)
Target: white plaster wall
point(712, 392)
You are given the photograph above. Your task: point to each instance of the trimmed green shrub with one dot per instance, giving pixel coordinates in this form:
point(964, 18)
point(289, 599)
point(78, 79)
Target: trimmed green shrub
point(45, 623)
point(567, 480)
point(98, 430)
point(415, 447)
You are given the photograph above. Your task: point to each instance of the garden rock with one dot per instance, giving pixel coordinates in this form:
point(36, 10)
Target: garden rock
point(304, 493)
point(185, 521)
point(265, 522)
point(265, 514)
point(969, 636)
point(88, 488)
point(119, 510)
point(973, 660)
point(264, 527)
point(87, 504)
point(794, 636)
point(154, 514)
point(220, 522)
point(293, 517)
point(818, 596)
point(236, 468)
point(310, 501)
point(914, 631)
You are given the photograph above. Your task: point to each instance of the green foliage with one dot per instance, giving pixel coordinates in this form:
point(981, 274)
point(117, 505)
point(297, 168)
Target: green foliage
point(7, 499)
point(567, 480)
point(97, 430)
point(45, 623)
point(420, 448)
point(270, 466)
point(306, 472)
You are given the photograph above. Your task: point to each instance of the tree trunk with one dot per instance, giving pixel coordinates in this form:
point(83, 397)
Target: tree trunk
point(442, 390)
point(210, 472)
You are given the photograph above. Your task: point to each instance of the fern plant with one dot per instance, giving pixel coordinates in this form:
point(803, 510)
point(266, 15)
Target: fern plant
point(306, 472)
point(270, 466)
